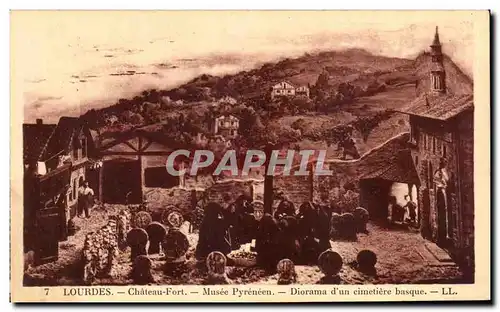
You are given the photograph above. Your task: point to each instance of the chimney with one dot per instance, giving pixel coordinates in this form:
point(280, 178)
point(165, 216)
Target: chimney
point(39, 121)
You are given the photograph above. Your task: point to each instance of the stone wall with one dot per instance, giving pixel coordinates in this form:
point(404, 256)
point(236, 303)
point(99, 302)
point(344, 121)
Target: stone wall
point(298, 189)
point(231, 189)
point(184, 199)
point(100, 252)
point(101, 248)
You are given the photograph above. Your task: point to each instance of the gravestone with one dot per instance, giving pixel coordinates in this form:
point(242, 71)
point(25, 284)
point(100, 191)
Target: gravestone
point(175, 219)
point(216, 266)
point(286, 272)
point(366, 260)
point(141, 270)
point(137, 239)
point(171, 215)
point(361, 217)
point(330, 263)
point(175, 246)
point(156, 233)
point(142, 219)
point(335, 226)
point(348, 226)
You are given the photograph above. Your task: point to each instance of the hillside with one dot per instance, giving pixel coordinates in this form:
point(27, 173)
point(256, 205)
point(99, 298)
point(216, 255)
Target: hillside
point(341, 66)
point(369, 86)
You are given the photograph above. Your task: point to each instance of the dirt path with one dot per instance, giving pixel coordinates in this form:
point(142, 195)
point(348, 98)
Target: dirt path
point(66, 270)
point(399, 261)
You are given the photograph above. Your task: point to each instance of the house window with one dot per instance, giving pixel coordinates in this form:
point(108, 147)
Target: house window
point(414, 135)
point(74, 188)
point(75, 152)
point(431, 176)
point(444, 150)
point(416, 160)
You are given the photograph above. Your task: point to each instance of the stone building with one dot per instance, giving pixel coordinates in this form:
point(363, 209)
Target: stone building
point(442, 148)
point(288, 89)
point(227, 126)
point(56, 160)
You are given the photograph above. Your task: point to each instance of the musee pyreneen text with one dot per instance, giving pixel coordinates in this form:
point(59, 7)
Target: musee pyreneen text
point(258, 291)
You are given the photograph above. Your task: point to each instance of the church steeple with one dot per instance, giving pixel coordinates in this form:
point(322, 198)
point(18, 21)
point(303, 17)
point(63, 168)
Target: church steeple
point(438, 75)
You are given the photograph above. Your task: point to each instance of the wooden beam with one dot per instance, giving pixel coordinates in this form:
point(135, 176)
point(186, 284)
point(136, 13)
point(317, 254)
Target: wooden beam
point(145, 146)
point(130, 145)
point(154, 153)
point(268, 182)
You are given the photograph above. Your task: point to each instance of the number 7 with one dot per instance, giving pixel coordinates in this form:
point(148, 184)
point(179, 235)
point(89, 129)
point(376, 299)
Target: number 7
point(46, 291)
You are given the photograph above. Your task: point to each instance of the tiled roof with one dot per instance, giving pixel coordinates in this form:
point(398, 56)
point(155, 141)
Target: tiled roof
point(390, 161)
point(398, 167)
point(35, 137)
point(440, 107)
point(60, 140)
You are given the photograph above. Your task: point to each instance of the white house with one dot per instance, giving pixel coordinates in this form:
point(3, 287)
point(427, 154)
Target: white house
point(286, 88)
point(226, 126)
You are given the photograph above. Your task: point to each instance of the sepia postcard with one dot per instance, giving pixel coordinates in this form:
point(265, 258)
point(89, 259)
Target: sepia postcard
point(250, 156)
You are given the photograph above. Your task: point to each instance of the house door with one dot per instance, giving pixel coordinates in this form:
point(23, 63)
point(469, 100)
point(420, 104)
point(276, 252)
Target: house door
point(441, 217)
point(122, 182)
point(48, 230)
point(425, 223)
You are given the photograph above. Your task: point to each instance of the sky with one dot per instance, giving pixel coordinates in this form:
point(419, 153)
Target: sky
point(66, 62)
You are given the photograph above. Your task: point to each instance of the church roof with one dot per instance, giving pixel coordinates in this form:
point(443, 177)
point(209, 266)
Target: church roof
point(437, 67)
point(441, 107)
point(436, 41)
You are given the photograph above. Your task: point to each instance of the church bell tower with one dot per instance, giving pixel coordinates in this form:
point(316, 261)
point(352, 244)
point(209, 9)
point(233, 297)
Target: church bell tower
point(438, 75)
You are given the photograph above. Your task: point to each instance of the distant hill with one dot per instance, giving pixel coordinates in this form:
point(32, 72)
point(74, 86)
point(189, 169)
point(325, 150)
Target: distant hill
point(355, 66)
point(342, 66)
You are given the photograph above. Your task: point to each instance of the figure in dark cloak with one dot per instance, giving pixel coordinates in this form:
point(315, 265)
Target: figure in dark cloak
point(267, 244)
point(310, 248)
point(245, 220)
point(214, 233)
point(322, 230)
point(288, 239)
point(231, 219)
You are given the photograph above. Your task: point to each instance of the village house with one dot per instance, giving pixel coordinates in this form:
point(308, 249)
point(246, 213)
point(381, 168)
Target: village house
point(226, 126)
point(56, 162)
point(442, 147)
point(288, 89)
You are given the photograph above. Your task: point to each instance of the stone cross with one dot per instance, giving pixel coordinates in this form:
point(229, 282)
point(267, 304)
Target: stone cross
point(216, 266)
point(330, 263)
point(137, 239)
point(286, 272)
point(141, 270)
point(156, 233)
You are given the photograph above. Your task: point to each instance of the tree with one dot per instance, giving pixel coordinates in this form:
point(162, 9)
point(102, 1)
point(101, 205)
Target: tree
point(346, 91)
point(322, 82)
point(136, 119)
point(365, 125)
point(301, 104)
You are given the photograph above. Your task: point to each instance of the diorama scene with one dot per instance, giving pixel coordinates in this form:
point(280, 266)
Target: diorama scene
point(392, 107)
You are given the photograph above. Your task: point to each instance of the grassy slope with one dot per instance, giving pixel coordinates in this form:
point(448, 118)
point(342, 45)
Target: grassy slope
point(356, 66)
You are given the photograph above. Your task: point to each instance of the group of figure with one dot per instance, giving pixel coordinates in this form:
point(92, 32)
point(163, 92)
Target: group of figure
point(297, 236)
point(300, 236)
